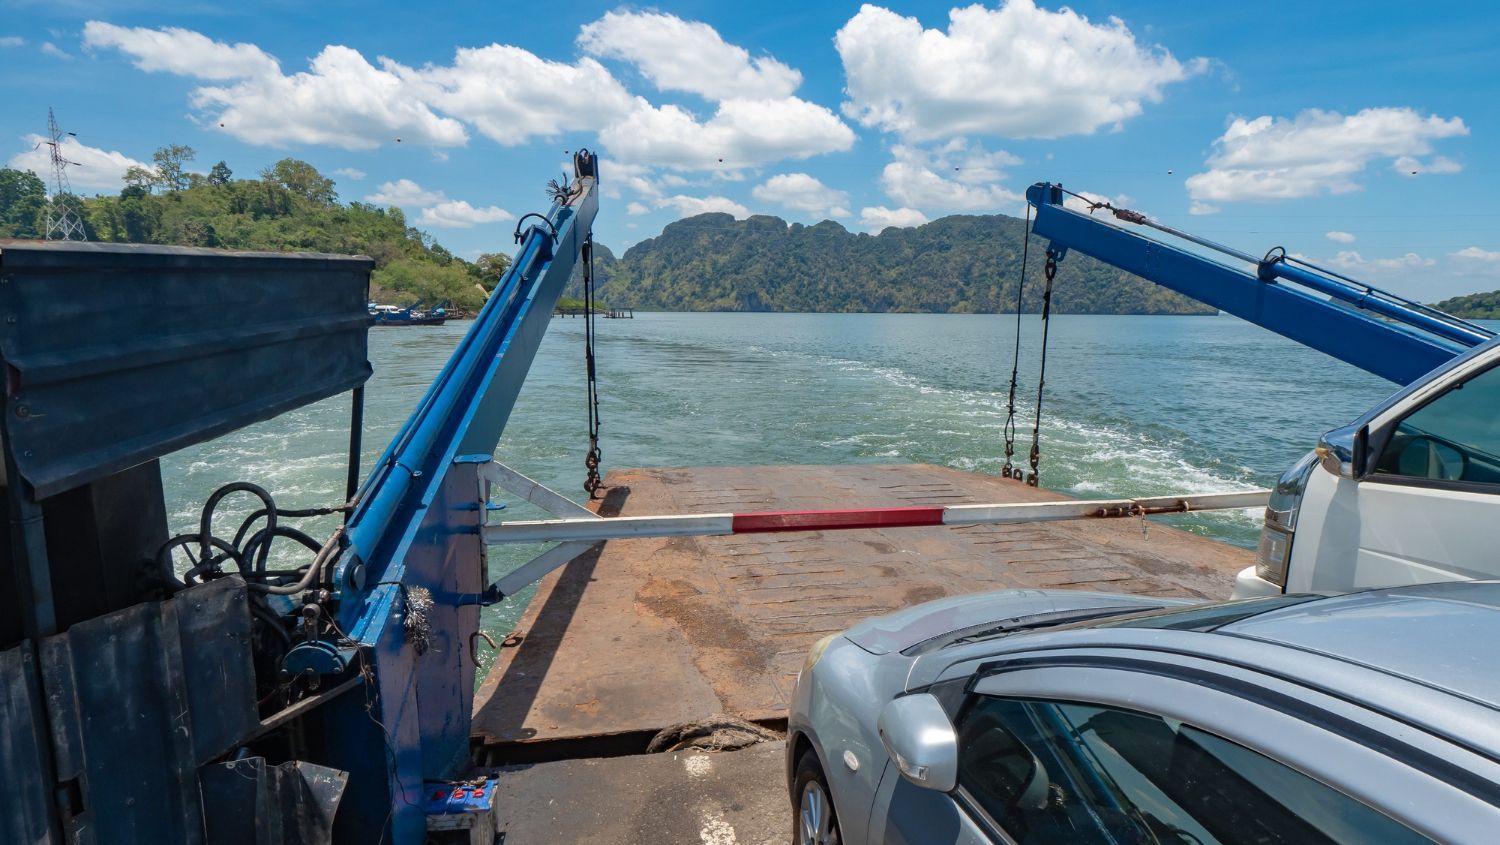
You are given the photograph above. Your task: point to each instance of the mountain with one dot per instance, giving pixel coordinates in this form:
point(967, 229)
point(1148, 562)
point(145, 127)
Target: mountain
point(1475, 306)
point(958, 264)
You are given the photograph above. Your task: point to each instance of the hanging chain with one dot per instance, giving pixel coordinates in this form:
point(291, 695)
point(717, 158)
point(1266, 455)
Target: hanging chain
point(1009, 470)
point(1050, 269)
point(592, 482)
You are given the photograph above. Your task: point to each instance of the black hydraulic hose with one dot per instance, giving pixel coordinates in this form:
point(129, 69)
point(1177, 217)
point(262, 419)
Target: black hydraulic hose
point(284, 513)
point(205, 524)
point(325, 555)
point(265, 536)
point(164, 555)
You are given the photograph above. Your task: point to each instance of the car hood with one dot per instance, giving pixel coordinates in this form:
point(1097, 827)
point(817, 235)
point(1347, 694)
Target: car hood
point(905, 628)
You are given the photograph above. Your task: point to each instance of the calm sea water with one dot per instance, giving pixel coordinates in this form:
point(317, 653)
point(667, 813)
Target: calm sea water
point(1134, 405)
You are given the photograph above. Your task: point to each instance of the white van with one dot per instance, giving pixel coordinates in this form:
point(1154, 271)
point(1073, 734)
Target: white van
point(1409, 493)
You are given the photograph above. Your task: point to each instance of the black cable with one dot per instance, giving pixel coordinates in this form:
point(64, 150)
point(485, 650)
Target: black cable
point(205, 524)
point(264, 537)
point(164, 556)
point(284, 513)
point(1050, 270)
point(1015, 365)
point(520, 236)
point(595, 456)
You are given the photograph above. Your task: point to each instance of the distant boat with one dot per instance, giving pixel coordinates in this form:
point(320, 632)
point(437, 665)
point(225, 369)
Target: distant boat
point(411, 315)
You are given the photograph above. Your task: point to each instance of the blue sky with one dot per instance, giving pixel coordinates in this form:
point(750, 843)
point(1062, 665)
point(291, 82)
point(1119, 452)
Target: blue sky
point(1358, 134)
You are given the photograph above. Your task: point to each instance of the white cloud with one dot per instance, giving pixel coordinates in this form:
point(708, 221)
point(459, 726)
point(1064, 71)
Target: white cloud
point(1353, 261)
point(636, 209)
point(508, 94)
point(635, 177)
point(801, 192)
point(55, 51)
point(1016, 71)
point(687, 206)
point(742, 133)
point(952, 177)
point(352, 173)
point(1339, 237)
point(12, 41)
point(512, 95)
point(1474, 253)
point(1273, 158)
point(679, 55)
point(404, 192)
point(877, 218)
point(97, 170)
point(1412, 166)
point(181, 51)
point(341, 101)
point(457, 214)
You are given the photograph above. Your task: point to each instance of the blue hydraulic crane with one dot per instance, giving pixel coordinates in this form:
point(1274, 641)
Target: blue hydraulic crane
point(1375, 330)
point(238, 701)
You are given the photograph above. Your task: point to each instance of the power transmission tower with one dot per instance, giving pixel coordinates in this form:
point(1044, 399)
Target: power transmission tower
point(63, 222)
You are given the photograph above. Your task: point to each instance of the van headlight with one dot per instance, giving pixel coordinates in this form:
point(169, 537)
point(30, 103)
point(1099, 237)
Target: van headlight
point(1281, 521)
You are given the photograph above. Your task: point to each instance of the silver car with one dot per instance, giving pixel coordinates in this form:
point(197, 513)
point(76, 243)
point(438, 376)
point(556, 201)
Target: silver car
point(1040, 717)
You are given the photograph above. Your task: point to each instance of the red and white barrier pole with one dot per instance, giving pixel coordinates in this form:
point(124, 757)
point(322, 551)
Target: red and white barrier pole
point(717, 524)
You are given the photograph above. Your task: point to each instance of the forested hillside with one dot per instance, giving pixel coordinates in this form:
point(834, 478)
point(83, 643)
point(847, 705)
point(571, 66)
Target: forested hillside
point(1475, 306)
point(961, 264)
point(710, 262)
point(288, 207)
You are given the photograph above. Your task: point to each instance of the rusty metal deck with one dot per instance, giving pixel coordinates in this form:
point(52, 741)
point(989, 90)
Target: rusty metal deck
point(645, 633)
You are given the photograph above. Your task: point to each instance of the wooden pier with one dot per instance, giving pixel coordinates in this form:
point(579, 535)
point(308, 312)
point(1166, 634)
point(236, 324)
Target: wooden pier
point(606, 313)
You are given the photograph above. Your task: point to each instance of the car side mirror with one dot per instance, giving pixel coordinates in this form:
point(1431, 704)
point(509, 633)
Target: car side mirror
point(1345, 451)
point(916, 732)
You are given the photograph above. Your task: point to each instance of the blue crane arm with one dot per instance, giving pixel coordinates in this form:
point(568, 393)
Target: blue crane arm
point(412, 561)
point(1377, 331)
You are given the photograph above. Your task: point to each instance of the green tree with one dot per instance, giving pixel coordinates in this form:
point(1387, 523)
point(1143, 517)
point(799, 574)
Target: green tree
point(302, 180)
point(141, 179)
point(22, 197)
point(220, 174)
point(491, 266)
point(171, 166)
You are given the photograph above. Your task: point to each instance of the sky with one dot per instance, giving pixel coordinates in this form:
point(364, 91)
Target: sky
point(1360, 135)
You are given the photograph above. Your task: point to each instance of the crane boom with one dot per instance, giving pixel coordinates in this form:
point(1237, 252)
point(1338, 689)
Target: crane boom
point(1375, 330)
point(413, 562)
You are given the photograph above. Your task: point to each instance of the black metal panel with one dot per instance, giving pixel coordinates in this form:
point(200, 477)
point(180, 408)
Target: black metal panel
point(118, 353)
point(101, 537)
point(246, 802)
point(26, 798)
point(140, 698)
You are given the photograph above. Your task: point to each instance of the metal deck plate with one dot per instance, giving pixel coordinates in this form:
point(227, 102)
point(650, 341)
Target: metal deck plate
point(648, 633)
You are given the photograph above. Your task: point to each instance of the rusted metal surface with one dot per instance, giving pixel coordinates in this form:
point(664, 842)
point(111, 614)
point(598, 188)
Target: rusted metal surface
point(645, 633)
point(735, 797)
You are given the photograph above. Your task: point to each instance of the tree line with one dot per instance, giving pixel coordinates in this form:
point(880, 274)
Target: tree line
point(288, 207)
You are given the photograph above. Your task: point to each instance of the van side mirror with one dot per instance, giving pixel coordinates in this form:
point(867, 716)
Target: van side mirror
point(916, 732)
point(1345, 451)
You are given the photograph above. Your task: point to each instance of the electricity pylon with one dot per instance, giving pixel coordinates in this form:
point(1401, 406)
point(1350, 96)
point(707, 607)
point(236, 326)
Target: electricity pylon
point(63, 222)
